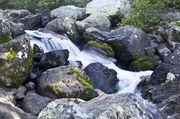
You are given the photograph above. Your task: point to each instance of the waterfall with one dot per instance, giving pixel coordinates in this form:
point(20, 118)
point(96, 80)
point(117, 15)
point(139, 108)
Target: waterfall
point(48, 42)
point(127, 80)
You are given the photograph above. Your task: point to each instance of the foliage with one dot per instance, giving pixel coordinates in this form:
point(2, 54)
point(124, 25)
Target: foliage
point(38, 5)
point(148, 12)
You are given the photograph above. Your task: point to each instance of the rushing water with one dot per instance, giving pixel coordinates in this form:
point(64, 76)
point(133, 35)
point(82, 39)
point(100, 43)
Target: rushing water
point(127, 80)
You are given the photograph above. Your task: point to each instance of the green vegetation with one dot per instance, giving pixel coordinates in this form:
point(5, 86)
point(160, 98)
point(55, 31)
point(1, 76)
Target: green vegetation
point(148, 12)
point(38, 5)
point(178, 24)
point(103, 46)
point(5, 38)
point(11, 55)
point(54, 89)
point(143, 63)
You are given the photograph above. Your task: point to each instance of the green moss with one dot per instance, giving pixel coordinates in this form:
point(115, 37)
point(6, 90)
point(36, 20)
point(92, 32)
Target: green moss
point(82, 78)
point(103, 46)
point(5, 38)
point(150, 52)
point(177, 23)
point(11, 55)
point(54, 89)
point(143, 63)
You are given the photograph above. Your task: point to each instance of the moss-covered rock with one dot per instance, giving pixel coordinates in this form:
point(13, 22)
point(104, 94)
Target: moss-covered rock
point(65, 82)
point(105, 47)
point(16, 61)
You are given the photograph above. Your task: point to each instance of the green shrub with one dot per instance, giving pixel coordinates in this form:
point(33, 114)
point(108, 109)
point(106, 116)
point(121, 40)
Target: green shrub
point(148, 12)
point(38, 5)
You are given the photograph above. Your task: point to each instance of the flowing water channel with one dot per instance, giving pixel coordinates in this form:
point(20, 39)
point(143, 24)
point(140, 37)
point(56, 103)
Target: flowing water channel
point(127, 80)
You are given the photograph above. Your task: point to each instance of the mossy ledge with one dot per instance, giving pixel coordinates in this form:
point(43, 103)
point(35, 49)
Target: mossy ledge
point(103, 46)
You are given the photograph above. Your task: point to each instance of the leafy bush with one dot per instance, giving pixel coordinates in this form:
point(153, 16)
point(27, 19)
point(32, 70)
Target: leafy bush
point(148, 12)
point(38, 5)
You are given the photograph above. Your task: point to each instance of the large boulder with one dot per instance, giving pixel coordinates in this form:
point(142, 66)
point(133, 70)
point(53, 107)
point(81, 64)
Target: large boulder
point(10, 29)
point(15, 61)
point(62, 109)
point(66, 25)
point(7, 95)
point(9, 111)
point(30, 22)
point(16, 14)
point(110, 8)
point(103, 78)
point(129, 45)
point(53, 59)
point(128, 41)
point(97, 20)
point(69, 11)
point(115, 106)
point(65, 20)
point(65, 82)
point(163, 86)
point(34, 103)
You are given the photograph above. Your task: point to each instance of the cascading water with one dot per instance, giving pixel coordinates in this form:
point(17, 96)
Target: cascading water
point(127, 80)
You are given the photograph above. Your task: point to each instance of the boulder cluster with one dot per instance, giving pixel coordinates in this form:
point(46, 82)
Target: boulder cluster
point(43, 85)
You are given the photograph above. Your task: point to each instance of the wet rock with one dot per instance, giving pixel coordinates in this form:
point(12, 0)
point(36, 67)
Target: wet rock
point(34, 103)
point(163, 87)
point(9, 111)
point(103, 78)
point(65, 82)
point(62, 109)
point(53, 59)
point(128, 42)
point(97, 20)
point(15, 61)
point(110, 8)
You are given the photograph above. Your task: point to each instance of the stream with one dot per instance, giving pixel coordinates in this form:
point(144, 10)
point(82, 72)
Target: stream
point(128, 80)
